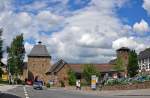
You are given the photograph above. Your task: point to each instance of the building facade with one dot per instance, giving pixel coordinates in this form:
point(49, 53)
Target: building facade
point(39, 61)
point(59, 71)
point(144, 61)
point(39, 64)
point(123, 53)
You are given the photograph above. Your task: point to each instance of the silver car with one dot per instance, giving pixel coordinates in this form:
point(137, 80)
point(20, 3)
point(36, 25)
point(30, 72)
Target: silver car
point(38, 85)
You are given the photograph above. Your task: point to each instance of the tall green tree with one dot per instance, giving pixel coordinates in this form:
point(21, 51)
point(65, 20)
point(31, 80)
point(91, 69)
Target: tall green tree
point(88, 71)
point(71, 77)
point(119, 65)
point(1, 44)
point(1, 51)
point(133, 64)
point(16, 54)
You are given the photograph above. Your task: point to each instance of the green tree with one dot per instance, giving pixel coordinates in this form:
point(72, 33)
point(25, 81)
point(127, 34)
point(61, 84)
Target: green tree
point(1, 51)
point(16, 53)
point(132, 67)
point(88, 71)
point(71, 77)
point(119, 66)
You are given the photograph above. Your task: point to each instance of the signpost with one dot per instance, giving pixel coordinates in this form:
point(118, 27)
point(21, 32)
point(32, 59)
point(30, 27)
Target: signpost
point(93, 82)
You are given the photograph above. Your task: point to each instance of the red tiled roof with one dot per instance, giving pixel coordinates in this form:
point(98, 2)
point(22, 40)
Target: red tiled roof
point(100, 67)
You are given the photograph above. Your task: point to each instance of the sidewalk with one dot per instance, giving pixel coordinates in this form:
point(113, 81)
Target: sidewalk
point(137, 92)
point(5, 88)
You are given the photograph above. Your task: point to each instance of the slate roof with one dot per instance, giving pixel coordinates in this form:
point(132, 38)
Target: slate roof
point(79, 67)
point(57, 66)
point(123, 48)
point(144, 54)
point(39, 51)
point(113, 62)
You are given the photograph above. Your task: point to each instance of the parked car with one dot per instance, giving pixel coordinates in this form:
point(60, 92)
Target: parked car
point(38, 85)
point(29, 82)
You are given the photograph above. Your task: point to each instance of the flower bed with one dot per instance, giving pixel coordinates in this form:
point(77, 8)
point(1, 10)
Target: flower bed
point(142, 85)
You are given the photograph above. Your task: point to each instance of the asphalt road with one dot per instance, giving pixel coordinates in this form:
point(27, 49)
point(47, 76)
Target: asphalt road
point(29, 92)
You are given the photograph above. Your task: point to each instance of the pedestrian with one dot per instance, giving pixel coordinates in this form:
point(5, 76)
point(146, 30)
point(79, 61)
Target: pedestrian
point(78, 85)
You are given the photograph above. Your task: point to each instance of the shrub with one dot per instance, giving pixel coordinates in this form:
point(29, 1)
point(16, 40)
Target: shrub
point(147, 78)
point(3, 82)
point(48, 85)
point(116, 82)
point(88, 71)
point(62, 84)
point(71, 77)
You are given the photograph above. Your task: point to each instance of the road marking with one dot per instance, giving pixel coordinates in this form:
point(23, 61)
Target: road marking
point(25, 92)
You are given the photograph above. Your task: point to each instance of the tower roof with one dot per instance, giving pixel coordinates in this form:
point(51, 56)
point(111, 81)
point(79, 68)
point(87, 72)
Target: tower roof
point(39, 51)
point(123, 49)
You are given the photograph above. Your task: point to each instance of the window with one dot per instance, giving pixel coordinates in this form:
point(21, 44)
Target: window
point(126, 57)
point(143, 67)
point(147, 66)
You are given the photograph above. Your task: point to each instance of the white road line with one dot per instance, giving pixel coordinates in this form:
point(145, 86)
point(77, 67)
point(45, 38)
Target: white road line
point(25, 92)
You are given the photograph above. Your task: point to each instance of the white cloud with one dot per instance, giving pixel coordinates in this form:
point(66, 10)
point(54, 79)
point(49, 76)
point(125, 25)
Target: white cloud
point(141, 27)
point(88, 33)
point(28, 48)
point(86, 36)
point(128, 42)
point(46, 20)
point(24, 22)
point(146, 6)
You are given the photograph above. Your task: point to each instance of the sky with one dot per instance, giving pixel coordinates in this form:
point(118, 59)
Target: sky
point(77, 31)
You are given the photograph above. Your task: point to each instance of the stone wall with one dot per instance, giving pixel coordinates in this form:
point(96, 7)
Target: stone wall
point(62, 75)
point(38, 66)
point(143, 85)
point(124, 55)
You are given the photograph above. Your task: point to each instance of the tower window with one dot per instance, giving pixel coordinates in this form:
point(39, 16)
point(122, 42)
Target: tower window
point(126, 57)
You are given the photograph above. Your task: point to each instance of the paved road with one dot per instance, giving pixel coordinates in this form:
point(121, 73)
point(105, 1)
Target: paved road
point(5, 95)
point(29, 92)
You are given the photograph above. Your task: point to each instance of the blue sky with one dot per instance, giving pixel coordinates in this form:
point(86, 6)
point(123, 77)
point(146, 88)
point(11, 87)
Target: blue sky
point(78, 31)
point(133, 12)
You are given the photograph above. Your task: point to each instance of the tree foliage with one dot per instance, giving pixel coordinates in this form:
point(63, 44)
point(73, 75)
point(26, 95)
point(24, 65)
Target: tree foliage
point(71, 77)
point(133, 64)
point(1, 51)
point(119, 65)
point(16, 53)
point(88, 71)
point(1, 44)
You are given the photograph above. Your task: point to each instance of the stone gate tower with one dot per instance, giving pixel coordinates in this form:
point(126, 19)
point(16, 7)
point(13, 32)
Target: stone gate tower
point(39, 62)
point(123, 53)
